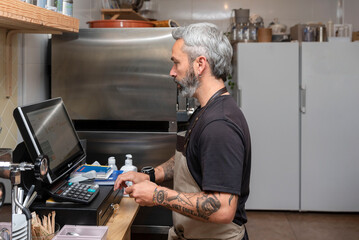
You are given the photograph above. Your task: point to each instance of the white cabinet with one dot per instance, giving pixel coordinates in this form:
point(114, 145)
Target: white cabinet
point(330, 127)
point(268, 82)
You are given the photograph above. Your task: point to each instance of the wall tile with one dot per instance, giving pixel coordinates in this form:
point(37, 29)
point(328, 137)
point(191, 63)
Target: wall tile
point(7, 105)
point(176, 10)
point(82, 10)
point(7, 118)
point(351, 15)
point(210, 10)
point(96, 6)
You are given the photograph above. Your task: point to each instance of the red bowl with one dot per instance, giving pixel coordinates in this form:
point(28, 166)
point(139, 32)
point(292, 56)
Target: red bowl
point(120, 24)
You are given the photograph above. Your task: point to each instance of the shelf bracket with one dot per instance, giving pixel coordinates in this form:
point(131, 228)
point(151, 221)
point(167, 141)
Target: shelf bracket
point(8, 55)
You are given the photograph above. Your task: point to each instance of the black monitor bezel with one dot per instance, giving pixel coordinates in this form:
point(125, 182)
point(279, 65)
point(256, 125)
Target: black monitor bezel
point(33, 145)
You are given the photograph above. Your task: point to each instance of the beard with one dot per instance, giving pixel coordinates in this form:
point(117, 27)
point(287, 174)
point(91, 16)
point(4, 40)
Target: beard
point(188, 85)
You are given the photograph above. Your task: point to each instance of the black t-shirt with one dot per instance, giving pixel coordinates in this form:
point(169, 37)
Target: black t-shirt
point(219, 151)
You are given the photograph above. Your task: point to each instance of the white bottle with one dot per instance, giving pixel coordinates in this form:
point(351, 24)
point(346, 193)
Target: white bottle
point(127, 168)
point(112, 163)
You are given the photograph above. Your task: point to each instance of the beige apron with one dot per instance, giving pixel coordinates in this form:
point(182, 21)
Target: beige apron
point(187, 228)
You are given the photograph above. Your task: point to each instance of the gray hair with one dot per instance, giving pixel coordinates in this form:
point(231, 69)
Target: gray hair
point(205, 39)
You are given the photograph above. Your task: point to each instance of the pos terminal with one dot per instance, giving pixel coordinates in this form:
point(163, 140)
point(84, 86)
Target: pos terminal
point(47, 129)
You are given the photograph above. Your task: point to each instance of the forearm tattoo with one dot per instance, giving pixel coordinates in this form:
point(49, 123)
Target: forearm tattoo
point(168, 169)
point(197, 205)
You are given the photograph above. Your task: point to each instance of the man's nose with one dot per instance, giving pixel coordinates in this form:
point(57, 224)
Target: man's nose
point(173, 72)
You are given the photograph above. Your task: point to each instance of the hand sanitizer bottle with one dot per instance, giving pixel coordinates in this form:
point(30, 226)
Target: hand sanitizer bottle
point(128, 167)
point(112, 163)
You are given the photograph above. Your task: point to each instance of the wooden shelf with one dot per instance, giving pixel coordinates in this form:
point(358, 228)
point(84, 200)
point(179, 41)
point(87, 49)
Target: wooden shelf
point(17, 15)
point(21, 17)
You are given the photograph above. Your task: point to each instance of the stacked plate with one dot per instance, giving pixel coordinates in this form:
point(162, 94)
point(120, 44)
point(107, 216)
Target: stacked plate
point(19, 227)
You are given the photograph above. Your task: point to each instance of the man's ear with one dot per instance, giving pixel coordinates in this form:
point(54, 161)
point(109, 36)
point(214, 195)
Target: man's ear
point(201, 63)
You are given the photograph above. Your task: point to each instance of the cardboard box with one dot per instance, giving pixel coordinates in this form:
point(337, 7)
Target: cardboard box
point(355, 36)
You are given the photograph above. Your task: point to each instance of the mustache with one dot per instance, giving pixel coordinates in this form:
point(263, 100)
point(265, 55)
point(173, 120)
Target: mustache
point(178, 82)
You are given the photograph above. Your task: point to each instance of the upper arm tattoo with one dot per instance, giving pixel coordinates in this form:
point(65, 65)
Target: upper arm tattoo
point(207, 205)
point(168, 169)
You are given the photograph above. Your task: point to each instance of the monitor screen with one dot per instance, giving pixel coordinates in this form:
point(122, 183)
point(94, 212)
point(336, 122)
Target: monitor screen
point(48, 130)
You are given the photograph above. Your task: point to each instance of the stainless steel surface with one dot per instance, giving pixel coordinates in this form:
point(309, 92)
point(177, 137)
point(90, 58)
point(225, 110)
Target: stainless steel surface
point(147, 148)
point(115, 74)
point(119, 79)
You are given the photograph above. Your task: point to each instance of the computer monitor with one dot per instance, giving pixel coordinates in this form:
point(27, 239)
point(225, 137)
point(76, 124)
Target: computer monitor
point(47, 129)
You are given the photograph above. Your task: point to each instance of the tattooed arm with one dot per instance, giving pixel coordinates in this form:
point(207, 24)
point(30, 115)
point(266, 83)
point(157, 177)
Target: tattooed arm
point(164, 172)
point(204, 206)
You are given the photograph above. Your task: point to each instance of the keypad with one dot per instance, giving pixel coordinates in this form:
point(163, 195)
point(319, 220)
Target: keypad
point(76, 192)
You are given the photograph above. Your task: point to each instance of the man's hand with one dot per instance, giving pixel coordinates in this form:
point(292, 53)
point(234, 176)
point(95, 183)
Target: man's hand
point(134, 177)
point(142, 193)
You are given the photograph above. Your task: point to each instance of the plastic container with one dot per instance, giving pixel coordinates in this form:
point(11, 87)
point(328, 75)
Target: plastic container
point(112, 163)
point(128, 167)
point(77, 232)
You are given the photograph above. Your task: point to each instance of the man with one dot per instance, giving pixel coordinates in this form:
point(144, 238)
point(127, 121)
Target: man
point(211, 170)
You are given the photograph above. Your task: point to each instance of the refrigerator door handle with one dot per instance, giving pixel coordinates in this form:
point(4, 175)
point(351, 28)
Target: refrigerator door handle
point(303, 92)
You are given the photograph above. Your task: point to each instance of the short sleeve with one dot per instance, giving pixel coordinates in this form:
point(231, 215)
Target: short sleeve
point(222, 157)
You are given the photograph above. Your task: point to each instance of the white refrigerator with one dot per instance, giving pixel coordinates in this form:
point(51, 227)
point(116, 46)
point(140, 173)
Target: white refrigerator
point(267, 80)
point(330, 127)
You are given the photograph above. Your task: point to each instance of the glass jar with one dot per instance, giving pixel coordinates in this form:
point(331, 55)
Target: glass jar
point(67, 7)
point(242, 32)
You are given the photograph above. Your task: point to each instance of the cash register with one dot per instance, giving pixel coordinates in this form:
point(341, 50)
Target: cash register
point(47, 129)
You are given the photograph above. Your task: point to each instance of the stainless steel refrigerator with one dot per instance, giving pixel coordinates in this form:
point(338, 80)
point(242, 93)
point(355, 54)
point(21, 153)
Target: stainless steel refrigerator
point(116, 86)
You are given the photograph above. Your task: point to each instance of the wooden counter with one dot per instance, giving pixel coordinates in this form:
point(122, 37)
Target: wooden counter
point(119, 225)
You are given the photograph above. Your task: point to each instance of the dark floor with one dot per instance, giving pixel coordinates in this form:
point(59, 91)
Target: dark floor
point(264, 225)
point(268, 225)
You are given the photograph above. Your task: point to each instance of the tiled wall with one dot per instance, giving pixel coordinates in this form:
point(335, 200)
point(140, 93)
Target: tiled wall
point(8, 132)
point(30, 81)
point(289, 12)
